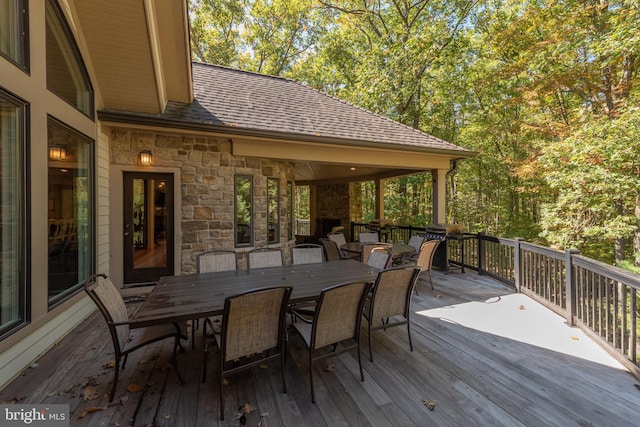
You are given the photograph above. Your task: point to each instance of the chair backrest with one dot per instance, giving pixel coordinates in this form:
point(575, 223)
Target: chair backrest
point(416, 241)
point(338, 238)
point(331, 251)
point(264, 257)
point(392, 291)
point(367, 248)
point(427, 251)
point(338, 314)
point(307, 253)
point(379, 257)
point(110, 303)
point(369, 237)
point(218, 260)
point(254, 322)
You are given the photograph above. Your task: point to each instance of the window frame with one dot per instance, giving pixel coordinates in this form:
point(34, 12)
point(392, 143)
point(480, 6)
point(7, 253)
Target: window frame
point(238, 244)
point(276, 198)
point(53, 302)
point(23, 27)
point(78, 58)
point(24, 268)
point(290, 214)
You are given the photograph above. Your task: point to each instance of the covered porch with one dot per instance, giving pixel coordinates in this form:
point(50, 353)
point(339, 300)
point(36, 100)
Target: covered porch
point(483, 355)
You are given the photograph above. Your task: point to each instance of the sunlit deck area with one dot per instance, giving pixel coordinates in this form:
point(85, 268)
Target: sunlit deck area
point(483, 355)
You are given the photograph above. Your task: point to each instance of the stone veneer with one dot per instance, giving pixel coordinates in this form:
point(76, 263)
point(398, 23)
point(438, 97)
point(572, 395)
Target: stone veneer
point(207, 170)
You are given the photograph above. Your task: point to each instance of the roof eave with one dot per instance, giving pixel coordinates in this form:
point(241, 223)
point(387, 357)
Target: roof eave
point(131, 118)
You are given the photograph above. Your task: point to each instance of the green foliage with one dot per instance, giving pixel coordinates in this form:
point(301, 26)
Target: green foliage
point(545, 91)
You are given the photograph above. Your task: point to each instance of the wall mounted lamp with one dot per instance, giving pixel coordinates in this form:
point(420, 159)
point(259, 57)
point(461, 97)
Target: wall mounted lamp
point(57, 152)
point(145, 157)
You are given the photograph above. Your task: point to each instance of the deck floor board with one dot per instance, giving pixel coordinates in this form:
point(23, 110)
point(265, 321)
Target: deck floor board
point(475, 371)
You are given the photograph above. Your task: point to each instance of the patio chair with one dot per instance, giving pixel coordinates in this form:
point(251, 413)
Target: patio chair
point(253, 332)
point(331, 250)
point(416, 242)
point(337, 319)
point(307, 253)
point(127, 338)
point(424, 260)
point(390, 302)
point(379, 257)
point(369, 237)
point(264, 257)
point(367, 248)
point(217, 260)
point(340, 240)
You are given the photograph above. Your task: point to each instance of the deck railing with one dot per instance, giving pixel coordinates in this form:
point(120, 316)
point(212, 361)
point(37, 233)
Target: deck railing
point(600, 299)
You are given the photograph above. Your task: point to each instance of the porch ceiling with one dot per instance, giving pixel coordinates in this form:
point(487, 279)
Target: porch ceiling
point(318, 172)
point(139, 52)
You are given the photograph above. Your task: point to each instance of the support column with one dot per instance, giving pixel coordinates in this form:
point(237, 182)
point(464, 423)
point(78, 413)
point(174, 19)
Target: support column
point(439, 199)
point(379, 213)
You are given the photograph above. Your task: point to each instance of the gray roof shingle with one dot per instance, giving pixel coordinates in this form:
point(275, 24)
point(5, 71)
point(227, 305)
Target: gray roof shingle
point(257, 102)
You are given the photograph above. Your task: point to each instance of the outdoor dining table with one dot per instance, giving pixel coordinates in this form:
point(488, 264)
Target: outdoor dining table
point(397, 249)
point(193, 296)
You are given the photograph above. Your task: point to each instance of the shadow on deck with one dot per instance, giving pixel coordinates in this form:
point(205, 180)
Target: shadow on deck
point(483, 355)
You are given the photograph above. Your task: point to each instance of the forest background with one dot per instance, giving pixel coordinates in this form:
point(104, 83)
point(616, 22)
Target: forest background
point(547, 92)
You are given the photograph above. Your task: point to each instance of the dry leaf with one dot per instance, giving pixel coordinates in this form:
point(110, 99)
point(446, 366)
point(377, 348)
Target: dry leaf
point(246, 408)
point(430, 405)
point(329, 368)
point(12, 400)
point(110, 364)
point(142, 362)
point(575, 338)
point(225, 381)
point(90, 393)
point(119, 402)
point(522, 307)
point(133, 388)
point(264, 366)
point(90, 410)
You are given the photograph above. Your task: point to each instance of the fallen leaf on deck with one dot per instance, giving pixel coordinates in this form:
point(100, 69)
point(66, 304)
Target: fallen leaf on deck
point(438, 296)
point(90, 410)
point(430, 405)
point(143, 362)
point(166, 417)
point(575, 338)
point(225, 382)
point(12, 400)
point(329, 368)
point(110, 364)
point(133, 388)
point(54, 393)
point(90, 393)
point(522, 307)
point(34, 365)
point(119, 402)
point(264, 366)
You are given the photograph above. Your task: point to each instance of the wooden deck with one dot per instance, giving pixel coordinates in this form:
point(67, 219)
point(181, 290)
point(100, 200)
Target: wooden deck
point(482, 356)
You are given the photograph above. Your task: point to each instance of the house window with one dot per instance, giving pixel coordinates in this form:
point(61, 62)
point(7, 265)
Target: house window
point(289, 210)
point(70, 210)
point(14, 32)
point(273, 210)
point(13, 214)
point(244, 210)
point(66, 75)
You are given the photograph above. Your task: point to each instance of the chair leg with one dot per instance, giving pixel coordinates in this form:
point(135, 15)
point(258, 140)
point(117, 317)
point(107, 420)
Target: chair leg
point(284, 381)
point(409, 334)
point(220, 388)
point(313, 396)
point(175, 360)
point(370, 351)
point(115, 380)
point(360, 361)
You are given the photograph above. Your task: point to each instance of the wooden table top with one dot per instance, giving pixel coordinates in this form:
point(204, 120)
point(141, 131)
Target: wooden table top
point(397, 249)
point(178, 298)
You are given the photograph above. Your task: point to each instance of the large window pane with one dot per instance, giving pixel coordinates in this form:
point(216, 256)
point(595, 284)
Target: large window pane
point(273, 210)
point(13, 31)
point(70, 208)
point(244, 210)
point(12, 214)
point(66, 74)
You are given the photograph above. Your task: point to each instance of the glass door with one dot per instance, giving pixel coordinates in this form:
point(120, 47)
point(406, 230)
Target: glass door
point(148, 227)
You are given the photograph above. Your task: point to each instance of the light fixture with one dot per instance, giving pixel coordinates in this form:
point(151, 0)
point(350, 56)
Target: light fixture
point(145, 157)
point(57, 152)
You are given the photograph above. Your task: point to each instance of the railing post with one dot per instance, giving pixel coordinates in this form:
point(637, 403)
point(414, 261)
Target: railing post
point(570, 285)
point(517, 264)
point(481, 260)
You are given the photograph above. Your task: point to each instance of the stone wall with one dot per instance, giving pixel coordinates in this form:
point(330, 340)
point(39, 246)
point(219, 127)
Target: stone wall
point(332, 201)
point(207, 171)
